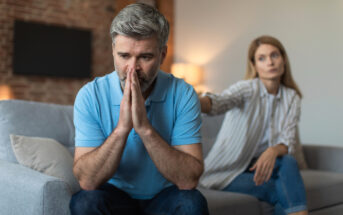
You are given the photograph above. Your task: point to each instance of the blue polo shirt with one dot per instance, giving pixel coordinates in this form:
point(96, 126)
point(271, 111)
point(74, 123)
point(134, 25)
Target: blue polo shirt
point(173, 110)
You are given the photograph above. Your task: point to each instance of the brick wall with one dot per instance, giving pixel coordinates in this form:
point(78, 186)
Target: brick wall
point(87, 14)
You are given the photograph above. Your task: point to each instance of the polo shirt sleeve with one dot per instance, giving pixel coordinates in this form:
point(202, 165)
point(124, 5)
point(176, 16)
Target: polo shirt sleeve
point(88, 132)
point(188, 119)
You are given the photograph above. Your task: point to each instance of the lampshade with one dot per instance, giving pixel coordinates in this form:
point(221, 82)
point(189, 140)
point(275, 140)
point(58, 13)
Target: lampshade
point(191, 73)
point(5, 92)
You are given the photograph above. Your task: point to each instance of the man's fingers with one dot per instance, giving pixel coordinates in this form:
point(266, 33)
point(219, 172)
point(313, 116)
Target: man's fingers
point(127, 90)
point(134, 88)
point(135, 78)
point(137, 96)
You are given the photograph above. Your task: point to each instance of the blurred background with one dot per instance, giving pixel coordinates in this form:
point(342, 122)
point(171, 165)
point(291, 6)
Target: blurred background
point(216, 35)
point(207, 47)
point(46, 67)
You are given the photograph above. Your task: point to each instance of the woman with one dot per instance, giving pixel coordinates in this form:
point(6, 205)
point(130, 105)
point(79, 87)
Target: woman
point(250, 154)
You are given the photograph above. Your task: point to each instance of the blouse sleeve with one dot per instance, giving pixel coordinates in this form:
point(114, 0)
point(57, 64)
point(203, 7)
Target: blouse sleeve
point(231, 97)
point(288, 133)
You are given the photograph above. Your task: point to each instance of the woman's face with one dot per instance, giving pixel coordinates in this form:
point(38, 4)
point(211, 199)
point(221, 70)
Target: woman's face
point(269, 63)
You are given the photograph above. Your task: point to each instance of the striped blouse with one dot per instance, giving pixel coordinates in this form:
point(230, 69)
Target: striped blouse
point(245, 104)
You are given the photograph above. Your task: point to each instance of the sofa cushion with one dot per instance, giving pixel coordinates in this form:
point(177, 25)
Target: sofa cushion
point(34, 119)
point(46, 156)
point(209, 130)
point(336, 209)
point(223, 203)
point(323, 188)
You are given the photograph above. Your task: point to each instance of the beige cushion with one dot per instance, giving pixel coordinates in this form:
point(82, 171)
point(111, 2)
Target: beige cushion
point(47, 156)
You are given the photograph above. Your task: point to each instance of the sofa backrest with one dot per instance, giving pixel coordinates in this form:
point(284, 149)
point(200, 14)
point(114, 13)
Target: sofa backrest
point(209, 130)
point(212, 124)
point(34, 119)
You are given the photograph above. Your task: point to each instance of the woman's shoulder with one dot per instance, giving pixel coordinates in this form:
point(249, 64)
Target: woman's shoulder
point(289, 94)
point(244, 88)
point(289, 91)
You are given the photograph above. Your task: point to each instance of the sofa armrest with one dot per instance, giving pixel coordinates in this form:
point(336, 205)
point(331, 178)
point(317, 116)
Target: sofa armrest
point(25, 191)
point(327, 158)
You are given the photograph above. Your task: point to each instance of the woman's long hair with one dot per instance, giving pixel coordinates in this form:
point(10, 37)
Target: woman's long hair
point(286, 79)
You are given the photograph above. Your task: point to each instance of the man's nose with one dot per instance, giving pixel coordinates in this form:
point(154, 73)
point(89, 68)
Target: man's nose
point(134, 64)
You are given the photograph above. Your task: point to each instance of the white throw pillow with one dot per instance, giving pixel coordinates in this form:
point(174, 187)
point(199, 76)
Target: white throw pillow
point(47, 156)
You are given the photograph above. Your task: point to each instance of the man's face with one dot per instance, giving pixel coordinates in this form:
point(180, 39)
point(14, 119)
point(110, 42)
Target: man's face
point(144, 56)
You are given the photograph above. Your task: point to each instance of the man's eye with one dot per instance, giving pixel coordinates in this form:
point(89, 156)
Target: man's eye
point(146, 57)
point(124, 56)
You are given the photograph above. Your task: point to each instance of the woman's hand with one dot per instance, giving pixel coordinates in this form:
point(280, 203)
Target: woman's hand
point(205, 103)
point(264, 166)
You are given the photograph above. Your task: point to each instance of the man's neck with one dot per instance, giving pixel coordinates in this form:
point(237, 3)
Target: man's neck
point(149, 90)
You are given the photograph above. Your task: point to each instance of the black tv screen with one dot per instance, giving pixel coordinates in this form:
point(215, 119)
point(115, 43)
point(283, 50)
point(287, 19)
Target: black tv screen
point(49, 50)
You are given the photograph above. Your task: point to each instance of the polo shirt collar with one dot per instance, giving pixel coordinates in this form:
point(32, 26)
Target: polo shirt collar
point(158, 94)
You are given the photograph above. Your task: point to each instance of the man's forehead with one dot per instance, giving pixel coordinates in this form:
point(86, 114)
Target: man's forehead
point(125, 42)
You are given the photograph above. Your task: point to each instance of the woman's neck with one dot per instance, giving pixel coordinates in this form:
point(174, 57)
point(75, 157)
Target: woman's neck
point(272, 86)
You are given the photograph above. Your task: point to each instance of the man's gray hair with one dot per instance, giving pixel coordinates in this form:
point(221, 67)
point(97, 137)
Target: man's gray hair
point(140, 21)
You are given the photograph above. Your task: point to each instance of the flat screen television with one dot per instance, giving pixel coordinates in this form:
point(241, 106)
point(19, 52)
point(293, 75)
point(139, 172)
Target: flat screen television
point(49, 50)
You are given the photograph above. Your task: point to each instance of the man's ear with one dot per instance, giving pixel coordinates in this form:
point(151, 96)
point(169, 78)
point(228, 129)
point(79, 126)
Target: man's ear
point(163, 53)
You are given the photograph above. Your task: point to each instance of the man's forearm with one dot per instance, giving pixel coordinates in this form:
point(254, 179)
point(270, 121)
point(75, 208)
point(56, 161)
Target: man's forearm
point(182, 169)
point(97, 166)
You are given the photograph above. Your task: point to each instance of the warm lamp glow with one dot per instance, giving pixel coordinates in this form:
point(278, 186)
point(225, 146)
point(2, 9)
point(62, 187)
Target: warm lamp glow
point(5, 92)
point(191, 73)
point(179, 70)
point(202, 88)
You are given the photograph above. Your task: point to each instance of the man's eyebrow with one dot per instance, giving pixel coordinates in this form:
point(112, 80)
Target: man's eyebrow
point(147, 53)
point(119, 52)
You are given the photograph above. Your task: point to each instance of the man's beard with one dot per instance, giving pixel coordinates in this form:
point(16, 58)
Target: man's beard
point(143, 83)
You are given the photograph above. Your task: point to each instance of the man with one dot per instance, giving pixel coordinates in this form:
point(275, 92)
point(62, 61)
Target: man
point(137, 129)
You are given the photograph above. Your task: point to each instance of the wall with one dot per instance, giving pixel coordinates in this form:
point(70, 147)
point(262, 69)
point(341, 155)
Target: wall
point(216, 34)
point(85, 14)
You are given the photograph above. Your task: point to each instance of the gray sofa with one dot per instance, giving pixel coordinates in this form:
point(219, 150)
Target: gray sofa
point(25, 191)
point(323, 180)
